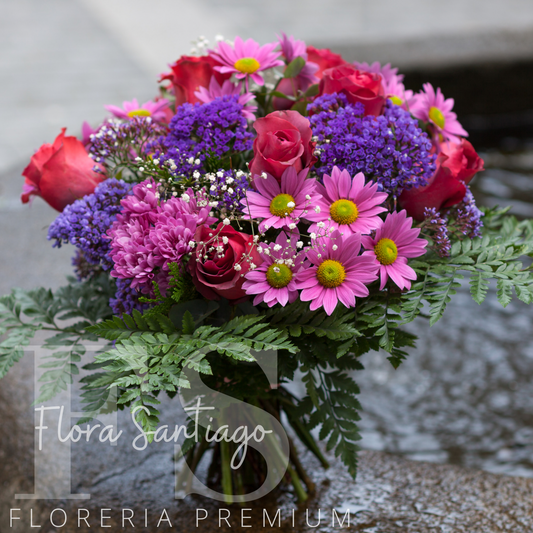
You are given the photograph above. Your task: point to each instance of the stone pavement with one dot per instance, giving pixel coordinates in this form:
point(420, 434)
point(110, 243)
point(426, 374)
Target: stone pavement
point(62, 60)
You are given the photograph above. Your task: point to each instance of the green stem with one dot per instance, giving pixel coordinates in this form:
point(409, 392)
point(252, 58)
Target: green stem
point(303, 434)
point(297, 484)
point(299, 467)
point(180, 481)
point(200, 451)
point(227, 485)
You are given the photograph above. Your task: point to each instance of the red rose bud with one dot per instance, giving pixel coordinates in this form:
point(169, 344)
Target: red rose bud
point(189, 73)
point(357, 85)
point(221, 274)
point(60, 173)
point(456, 166)
point(324, 58)
point(283, 140)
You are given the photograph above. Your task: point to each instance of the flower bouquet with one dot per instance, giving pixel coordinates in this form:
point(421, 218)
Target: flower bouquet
point(274, 213)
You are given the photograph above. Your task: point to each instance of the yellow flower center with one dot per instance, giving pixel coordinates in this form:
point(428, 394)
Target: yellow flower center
point(343, 211)
point(247, 65)
point(278, 276)
point(331, 273)
point(396, 100)
point(386, 251)
point(139, 113)
point(279, 205)
point(436, 116)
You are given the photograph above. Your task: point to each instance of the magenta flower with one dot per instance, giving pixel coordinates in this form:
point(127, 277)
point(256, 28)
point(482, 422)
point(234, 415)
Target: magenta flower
point(191, 203)
point(393, 243)
point(291, 49)
point(281, 205)
point(227, 89)
point(246, 58)
point(338, 272)
point(149, 234)
point(388, 74)
point(273, 281)
point(131, 250)
point(156, 110)
point(430, 106)
point(347, 204)
point(172, 238)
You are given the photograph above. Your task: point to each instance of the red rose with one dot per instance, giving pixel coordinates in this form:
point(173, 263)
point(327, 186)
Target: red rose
point(283, 140)
point(357, 85)
point(191, 72)
point(456, 166)
point(216, 275)
point(60, 173)
point(324, 58)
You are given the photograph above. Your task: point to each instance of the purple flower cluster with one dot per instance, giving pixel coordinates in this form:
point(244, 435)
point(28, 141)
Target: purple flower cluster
point(126, 299)
point(390, 149)
point(201, 133)
point(468, 216)
point(146, 236)
point(118, 143)
point(85, 222)
point(228, 187)
point(438, 226)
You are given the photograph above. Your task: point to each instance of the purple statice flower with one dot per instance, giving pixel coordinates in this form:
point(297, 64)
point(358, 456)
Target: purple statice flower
point(226, 189)
point(390, 149)
point(85, 222)
point(437, 224)
point(118, 143)
point(201, 133)
point(126, 299)
point(82, 268)
point(468, 216)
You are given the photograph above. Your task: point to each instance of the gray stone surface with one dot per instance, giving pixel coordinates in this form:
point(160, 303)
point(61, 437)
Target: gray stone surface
point(391, 495)
point(411, 34)
point(58, 68)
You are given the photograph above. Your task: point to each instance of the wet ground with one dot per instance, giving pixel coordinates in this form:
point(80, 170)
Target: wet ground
point(465, 395)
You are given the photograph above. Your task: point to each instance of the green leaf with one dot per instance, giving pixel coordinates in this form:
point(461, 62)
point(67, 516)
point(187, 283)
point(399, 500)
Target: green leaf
point(294, 67)
point(188, 323)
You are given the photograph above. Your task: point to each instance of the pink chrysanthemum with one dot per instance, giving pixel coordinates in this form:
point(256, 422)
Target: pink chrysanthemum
point(347, 204)
point(431, 107)
point(246, 58)
point(273, 281)
point(149, 233)
point(207, 95)
point(281, 205)
point(338, 273)
point(393, 243)
point(156, 110)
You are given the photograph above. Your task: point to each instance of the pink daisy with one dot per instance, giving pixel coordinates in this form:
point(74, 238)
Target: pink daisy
point(388, 74)
point(430, 106)
point(393, 243)
point(281, 205)
point(347, 204)
point(273, 281)
point(246, 58)
point(227, 89)
point(397, 93)
point(291, 49)
point(156, 110)
point(338, 273)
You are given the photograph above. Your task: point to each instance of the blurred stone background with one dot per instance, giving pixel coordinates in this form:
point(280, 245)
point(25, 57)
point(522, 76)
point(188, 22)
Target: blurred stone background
point(464, 397)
